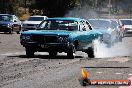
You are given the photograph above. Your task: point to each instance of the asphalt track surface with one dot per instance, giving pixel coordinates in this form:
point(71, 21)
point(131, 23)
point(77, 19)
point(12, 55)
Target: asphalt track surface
point(18, 71)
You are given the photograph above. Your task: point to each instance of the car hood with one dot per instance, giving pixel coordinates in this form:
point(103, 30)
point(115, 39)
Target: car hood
point(48, 32)
point(32, 22)
point(4, 22)
point(127, 26)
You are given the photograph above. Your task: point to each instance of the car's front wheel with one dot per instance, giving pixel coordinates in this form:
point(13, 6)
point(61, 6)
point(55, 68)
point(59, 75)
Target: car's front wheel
point(71, 52)
point(29, 52)
point(52, 53)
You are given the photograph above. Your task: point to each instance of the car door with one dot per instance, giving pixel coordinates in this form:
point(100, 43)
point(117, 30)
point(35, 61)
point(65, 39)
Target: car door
point(85, 37)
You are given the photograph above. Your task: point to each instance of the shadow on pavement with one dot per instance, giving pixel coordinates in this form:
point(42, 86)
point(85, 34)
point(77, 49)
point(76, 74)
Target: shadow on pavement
point(45, 56)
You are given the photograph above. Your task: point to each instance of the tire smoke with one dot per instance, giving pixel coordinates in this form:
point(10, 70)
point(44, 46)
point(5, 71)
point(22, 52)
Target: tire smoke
point(119, 49)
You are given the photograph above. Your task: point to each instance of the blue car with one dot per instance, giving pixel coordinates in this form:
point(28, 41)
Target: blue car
point(9, 23)
point(60, 35)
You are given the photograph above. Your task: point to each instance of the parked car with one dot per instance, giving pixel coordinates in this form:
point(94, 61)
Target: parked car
point(32, 22)
point(60, 35)
point(109, 28)
point(9, 23)
point(126, 26)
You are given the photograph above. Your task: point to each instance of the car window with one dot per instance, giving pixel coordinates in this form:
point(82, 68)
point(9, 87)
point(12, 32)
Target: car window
point(69, 25)
point(36, 19)
point(99, 23)
point(6, 18)
point(82, 26)
point(126, 22)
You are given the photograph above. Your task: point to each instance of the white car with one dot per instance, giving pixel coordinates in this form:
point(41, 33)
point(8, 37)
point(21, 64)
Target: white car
point(126, 26)
point(32, 22)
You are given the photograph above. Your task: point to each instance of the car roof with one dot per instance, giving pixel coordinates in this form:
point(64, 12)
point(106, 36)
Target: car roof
point(5, 14)
point(38, 16)
point(65, 18)
point(125, 19)
point(106, 20)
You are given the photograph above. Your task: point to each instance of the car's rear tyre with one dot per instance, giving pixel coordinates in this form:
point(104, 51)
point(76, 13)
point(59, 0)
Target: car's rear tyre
point(52, 53)
point(90, 52)
point(29, 52)
point(70, 55)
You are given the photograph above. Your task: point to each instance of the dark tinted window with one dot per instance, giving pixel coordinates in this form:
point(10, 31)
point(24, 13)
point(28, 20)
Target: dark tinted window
point(36, 19)
point(126, 22)
point(99, 23)
point(59, 25)
point(6, 18)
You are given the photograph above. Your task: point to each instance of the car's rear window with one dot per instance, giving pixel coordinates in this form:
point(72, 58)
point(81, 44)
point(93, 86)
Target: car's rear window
point(103, 24)
point(99, 23)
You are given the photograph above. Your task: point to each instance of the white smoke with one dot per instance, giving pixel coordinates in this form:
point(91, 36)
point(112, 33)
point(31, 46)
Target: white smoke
point(101, 51)
point(119, 49)
point(82, 12)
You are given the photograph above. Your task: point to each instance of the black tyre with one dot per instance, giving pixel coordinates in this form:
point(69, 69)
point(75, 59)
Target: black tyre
point(11, 31)
point(18, 32)
point(29, 52)
point(70, 53)
point(52, 53)
point(90, 52)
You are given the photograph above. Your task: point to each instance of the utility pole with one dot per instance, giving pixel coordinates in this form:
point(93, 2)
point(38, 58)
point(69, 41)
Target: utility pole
point(109, 6)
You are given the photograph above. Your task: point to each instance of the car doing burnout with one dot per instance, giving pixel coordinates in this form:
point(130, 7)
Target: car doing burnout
point(60, 35)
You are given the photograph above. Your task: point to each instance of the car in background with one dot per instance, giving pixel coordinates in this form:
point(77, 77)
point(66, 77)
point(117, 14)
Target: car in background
point(32, 22)
point(126, 26)
point(9, 23)
point(60, 35)
point(109, 28)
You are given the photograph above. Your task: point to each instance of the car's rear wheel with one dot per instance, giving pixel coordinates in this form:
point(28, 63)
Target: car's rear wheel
point(29, 52)
point(90, 52)
point(52, 53)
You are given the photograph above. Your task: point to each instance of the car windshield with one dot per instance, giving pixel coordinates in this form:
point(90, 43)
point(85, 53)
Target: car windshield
point(36, 19)
point(6, 18)
point(69, 25)
point(126, 22)
point(103, 24)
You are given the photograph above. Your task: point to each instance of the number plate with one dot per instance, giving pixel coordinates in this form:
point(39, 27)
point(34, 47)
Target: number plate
point(43, 46)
